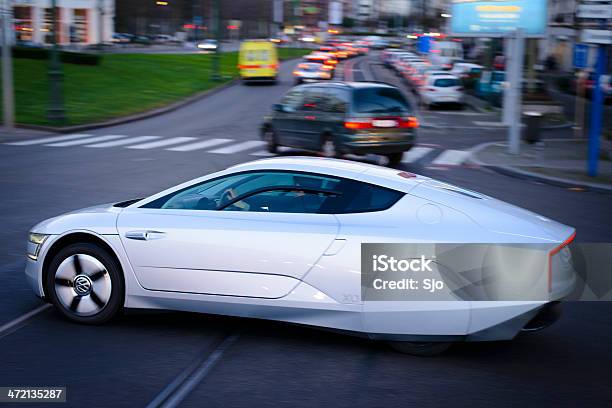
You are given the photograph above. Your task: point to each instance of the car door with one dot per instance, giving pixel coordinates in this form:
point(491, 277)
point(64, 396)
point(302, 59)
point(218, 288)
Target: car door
point(194, 246)
point(309, 131)
point(287, 119)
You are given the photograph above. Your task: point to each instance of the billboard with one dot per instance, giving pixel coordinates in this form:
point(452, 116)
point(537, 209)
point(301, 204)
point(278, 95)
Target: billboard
point(496, 18)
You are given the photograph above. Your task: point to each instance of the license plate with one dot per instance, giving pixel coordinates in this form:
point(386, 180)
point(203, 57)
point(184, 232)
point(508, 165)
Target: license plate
point(384, 123)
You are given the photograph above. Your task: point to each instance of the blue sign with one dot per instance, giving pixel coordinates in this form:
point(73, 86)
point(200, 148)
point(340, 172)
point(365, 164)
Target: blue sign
point(581, 55)
point(497, 18)
point(197, 20)
point(424, 44)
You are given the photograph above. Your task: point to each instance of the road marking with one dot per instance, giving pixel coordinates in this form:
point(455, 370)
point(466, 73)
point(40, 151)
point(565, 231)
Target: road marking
point(489, 124)
point(48, 140)
point(124, 142)
point(199, 145)
point(415, 154)
point(6, 328)
point(175, 392)
point(238, 147)
point(265, 153)
point(451, 158)
point(161, 143)
point(85, 141)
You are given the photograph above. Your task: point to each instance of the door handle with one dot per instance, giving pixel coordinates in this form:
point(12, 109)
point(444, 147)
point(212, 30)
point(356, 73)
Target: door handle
point(144, 235)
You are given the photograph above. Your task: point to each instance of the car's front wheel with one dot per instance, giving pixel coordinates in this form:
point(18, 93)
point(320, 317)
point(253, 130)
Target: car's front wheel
point(270, 138)
point(85, 284)
point(423, 349)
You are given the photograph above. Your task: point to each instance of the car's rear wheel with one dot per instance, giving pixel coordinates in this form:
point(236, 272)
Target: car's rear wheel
point(328, 147)
point(270, 138)
point(395, 158)
point(423, 349)
point(85, 284)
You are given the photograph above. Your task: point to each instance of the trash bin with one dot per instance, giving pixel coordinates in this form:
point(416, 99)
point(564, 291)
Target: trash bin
point(531, 132)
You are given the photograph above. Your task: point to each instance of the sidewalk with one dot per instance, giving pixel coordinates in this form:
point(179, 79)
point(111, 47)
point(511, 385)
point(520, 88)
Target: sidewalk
point(559, 162)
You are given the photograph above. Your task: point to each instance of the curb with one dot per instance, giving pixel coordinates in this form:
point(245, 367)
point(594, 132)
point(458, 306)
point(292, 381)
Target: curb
point(137, 116)
point(528, 175)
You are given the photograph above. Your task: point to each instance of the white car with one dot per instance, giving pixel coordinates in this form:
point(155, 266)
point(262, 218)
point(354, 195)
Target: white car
point(281, 239)
point(441, 89)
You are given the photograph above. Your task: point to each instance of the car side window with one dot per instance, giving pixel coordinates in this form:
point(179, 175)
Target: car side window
point(314, 99)
point(337, 100)
point(293, 99)
point(281, 201)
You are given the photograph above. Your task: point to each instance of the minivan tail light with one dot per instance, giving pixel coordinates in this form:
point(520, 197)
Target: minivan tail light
point(356, 124)
point(410, 122)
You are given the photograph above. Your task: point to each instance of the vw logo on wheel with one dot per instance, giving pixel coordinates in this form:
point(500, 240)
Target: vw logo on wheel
point(82, 285)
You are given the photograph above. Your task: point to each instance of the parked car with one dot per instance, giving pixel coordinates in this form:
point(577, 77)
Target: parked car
point(340, 118)
point(441, 89)
point(490, 87)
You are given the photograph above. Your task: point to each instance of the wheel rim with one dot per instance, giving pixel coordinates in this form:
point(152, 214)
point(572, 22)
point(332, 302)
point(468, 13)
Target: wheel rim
point(329, 150)
point(83, 285)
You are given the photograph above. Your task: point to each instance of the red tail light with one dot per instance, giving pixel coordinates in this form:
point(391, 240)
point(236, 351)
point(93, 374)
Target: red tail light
point(356, 124)
point(410, 122)
point(555, 251)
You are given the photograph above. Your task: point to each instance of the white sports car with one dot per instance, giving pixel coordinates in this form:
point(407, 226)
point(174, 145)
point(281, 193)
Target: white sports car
point(281, 239)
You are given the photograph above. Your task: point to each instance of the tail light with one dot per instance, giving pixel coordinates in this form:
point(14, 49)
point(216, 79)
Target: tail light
point(410, 122)
point(356, 124)
point(554, 252)
point(296, 73)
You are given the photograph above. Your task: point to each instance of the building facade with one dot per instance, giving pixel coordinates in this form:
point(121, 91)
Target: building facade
point(80, 22)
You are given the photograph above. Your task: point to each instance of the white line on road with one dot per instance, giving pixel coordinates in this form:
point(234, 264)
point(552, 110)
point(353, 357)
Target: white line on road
point(48, 140)
point(175, 392)
point(415, 154)
point(85, 141)
point(5, 328)
point(124, 142)
point(451, 158)
point(199, 145)
point(238, 147)
point(160, 143)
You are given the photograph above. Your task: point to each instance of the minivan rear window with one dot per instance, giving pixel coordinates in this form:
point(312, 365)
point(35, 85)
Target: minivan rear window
point(380, 100)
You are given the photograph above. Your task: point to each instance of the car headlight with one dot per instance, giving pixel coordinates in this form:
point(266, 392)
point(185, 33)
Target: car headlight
point(35, 241)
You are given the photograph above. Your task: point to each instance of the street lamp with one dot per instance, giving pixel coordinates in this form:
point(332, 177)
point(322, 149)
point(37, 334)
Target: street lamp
point(55, 112)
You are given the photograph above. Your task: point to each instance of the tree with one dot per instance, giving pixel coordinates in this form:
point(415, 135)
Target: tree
point(348, 22)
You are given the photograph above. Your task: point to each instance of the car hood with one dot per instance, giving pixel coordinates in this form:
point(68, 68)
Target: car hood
point(101, 219)
point(495, 215)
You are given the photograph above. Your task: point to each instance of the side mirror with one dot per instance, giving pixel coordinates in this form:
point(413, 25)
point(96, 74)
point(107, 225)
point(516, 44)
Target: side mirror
point(278, 107)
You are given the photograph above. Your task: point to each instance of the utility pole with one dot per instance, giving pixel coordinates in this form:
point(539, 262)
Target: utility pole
point(100, 23)
point(8, 101)
point(216, 20)
point(55, 112)
point(515, 103)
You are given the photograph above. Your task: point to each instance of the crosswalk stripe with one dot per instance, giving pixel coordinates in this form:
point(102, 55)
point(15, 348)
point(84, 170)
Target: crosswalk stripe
point(161, 143)
point(451, 158)
point(199, 145)
point(415, 154)
point(48, 140)
point(85, 141)
point(124, 142)
point(238, 147)
point(265, 153)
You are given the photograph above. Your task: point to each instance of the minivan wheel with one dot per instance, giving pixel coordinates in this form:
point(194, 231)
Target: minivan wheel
point(85, 284)
point(395, 158)
point(328, 148)
point(270, 139)
point(422, 349)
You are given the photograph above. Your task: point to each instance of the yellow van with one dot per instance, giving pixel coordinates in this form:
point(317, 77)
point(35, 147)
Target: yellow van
point(258, 60)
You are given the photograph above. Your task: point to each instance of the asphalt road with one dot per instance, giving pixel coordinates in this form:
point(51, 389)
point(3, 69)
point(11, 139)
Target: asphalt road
point(242, 362)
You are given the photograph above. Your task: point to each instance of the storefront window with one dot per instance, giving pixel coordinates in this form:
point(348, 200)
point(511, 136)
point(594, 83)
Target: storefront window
point(47, 25)
point(23, 24)
point(78, 30)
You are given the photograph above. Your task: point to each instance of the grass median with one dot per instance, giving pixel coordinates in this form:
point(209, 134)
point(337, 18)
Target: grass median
point(123, 84)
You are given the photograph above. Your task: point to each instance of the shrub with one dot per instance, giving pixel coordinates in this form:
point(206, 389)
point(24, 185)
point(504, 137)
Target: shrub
point(69, 57)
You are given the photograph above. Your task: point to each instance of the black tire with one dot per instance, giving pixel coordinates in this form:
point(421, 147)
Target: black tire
point(270, 138)
point(298, 81)
point(395, 158)
point(421, 349)
point(112, 272)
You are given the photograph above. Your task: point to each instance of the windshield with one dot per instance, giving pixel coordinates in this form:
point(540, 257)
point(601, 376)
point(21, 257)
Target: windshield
point(380, 100)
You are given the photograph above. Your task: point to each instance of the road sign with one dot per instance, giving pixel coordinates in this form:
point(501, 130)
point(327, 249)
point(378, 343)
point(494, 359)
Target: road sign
point(594, 11)
point(197, 20)
point(597, 36)
point(581, 55)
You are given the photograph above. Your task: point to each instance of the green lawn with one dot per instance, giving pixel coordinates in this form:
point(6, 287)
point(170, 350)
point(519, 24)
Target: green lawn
point(122, 84)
